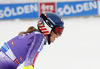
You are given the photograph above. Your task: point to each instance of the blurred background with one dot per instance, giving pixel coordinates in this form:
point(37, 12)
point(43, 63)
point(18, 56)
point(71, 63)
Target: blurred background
point(79, 45)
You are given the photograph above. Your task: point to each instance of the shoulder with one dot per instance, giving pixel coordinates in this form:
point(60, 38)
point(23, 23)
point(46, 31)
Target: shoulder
point(38, 34)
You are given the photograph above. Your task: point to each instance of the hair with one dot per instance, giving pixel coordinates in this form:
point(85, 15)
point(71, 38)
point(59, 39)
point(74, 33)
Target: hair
point(29, 30)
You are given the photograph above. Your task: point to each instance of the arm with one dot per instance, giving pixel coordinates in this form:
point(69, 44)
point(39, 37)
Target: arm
point(35, 45)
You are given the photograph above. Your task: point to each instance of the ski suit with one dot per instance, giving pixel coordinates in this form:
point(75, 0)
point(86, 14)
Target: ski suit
point(22, 48)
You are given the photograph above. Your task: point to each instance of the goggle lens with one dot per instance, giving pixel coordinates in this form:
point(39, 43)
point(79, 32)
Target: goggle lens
point(58, 30)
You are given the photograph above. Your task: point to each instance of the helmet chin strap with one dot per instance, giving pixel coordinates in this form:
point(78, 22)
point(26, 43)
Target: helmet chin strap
point(49, 41)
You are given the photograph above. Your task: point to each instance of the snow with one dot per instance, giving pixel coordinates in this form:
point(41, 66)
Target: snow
point(77, 48)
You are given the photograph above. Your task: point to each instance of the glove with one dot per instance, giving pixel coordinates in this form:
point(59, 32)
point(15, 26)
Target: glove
point(28, 67)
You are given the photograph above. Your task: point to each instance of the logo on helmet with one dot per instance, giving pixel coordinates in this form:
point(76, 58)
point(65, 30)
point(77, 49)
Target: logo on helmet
point(49, 24)
point(62, 20)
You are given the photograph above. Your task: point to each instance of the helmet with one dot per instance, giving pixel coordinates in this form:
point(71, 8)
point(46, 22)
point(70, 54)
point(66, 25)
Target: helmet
point(49, 22)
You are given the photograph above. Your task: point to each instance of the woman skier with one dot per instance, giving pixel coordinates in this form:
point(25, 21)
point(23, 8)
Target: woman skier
point(26, 46)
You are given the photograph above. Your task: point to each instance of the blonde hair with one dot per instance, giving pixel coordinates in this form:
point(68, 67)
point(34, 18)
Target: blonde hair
point(29, 30)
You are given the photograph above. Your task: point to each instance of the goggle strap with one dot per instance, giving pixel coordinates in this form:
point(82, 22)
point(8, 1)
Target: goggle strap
point(44, 17)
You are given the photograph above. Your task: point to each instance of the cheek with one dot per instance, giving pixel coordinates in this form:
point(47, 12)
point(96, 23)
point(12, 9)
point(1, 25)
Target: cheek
point(52, 39)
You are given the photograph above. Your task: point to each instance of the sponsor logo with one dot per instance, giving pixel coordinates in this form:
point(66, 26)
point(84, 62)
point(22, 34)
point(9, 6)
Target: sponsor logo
point(62, 20)
point(20, 58)
point(10, 11)
point(12, 42)
point(5, 47)
point(47, 7)
point(77, 8)
point(99, 7)
point(16, 61)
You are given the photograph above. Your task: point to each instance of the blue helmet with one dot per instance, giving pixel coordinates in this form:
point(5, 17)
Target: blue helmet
point(50, 22)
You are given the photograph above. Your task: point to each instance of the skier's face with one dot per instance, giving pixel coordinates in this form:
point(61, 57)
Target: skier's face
point(53, 36)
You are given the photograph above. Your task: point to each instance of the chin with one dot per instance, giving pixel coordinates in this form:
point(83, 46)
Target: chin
point(52, 41)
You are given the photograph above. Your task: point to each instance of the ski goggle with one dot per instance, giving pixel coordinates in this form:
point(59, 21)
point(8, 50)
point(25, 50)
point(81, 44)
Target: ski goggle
point(58, 30)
